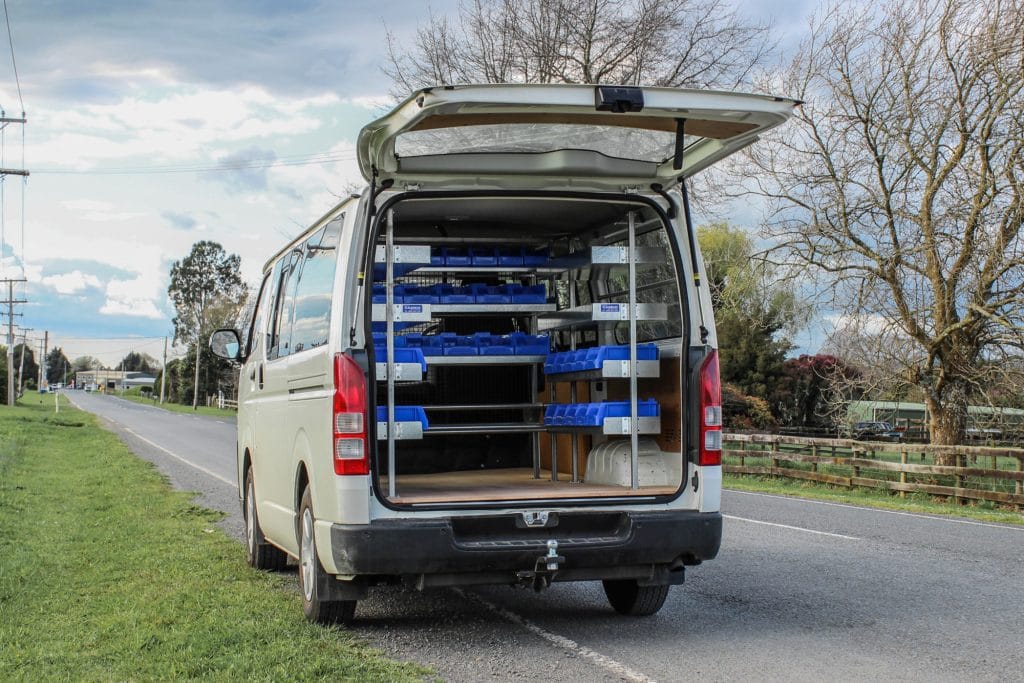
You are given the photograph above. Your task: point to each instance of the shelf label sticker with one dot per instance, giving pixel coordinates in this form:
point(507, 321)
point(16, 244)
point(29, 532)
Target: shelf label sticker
point(610, 308)
point(412, 308)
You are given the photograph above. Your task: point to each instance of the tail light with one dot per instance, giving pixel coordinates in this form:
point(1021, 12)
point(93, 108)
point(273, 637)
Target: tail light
point(351, 455)
point(710, 412)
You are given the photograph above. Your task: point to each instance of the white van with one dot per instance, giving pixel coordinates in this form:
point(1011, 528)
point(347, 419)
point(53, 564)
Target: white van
point(497, 365)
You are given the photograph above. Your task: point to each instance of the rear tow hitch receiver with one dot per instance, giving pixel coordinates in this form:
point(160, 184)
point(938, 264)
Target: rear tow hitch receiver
point(545, 568)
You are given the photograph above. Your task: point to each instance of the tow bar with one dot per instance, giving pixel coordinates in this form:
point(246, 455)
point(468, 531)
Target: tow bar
point(544, 569)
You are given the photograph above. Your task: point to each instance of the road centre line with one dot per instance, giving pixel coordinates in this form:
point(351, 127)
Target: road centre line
point(178, 457)
point(793, 528)
point(606, 663)
point(933, 518)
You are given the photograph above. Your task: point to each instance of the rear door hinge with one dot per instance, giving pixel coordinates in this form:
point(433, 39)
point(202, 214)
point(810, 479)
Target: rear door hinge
point(412, 187)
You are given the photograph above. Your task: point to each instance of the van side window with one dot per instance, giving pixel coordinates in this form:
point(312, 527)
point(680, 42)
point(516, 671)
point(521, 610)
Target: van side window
point(281, 324)
point(257, 316)
point(315, 287)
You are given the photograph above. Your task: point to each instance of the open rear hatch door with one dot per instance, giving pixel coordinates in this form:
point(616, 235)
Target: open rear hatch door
point(584, 136)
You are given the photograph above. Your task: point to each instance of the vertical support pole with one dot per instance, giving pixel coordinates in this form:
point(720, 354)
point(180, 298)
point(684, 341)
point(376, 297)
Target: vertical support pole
point(903, 472)
point(389, 344)
point(572, 391)
point(534, 390)
point(10, 342)
point(552, 436)
point(163, 375)
point(634, 426)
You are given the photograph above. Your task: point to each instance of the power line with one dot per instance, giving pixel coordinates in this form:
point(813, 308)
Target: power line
point(14, 63)
point(298, 160)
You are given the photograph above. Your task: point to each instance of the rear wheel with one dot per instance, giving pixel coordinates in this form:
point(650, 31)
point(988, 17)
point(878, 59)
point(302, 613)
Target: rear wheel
point(258, 553)
point(629, 598)
point(314, 582)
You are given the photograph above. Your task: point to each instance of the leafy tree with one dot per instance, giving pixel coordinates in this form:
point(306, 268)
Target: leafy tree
point(740, 411)
point(806, 393)
point(753, 307)
point(691, 43)
point(86, 363)
point(901, 184)
point(206, 289)
point(138, 362)
point(57, 365)
point(26, 369)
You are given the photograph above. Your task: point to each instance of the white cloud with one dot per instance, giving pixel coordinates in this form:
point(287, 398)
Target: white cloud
point(71, 283)
point(123, 298)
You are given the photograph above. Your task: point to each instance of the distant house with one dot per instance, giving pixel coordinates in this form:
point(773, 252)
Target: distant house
point(983, 422)
point(113, 379)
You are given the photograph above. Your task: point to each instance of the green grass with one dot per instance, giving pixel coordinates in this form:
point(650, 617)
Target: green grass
point(914, 502)
point(176, 407)
point(107, 574)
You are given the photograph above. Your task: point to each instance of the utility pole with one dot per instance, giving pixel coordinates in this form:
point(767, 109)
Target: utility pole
point(163, 374)
point(42, 363)
point(10, 333)
point(21, 361)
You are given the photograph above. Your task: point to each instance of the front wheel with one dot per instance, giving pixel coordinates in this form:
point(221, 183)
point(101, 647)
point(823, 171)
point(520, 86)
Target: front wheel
point(258, 553)
point(314, 582)
point(631, 599)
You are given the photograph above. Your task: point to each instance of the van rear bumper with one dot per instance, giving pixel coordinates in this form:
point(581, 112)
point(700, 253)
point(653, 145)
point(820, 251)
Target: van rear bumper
point(594, 545)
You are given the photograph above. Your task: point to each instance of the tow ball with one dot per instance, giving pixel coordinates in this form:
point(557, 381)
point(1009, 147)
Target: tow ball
point(544, 570)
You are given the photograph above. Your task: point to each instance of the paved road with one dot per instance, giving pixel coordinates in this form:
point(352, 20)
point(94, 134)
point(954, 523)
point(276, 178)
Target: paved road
point(800, 591)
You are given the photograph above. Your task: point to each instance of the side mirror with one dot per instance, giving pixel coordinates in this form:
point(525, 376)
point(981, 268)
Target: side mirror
point(226, 344)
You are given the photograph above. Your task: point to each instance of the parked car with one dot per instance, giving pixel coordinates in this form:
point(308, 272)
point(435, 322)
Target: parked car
point(875, 431)
point(453, 378)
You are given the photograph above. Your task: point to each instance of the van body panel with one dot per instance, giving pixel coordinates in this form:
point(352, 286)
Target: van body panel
point(456, 127)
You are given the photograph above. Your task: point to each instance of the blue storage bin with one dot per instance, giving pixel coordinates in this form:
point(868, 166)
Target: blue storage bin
point(413, 294)
point(535, 258)
point(488, 294)
point(529, 294)
point(380, 270)
point(436, 256)
point(511, 256)
point(482, 257)
point(379, 338)
point(449, 294)
point(402, 355)
point(493, 344)
point(382, 327)
point(432, 345)
point(530, 344)
point(404, 414)
point(459, 345)
point(456, 256)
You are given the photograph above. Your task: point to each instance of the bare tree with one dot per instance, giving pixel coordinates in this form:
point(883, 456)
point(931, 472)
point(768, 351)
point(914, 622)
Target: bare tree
point(903, 182)
point(683, 43)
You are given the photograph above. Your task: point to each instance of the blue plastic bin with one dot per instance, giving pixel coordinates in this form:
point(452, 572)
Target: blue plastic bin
point(459, 345)
point(402, 355)
point(432, 345)
point(530, 344)
point(511, 257)
point(483, 258)
point(535, 258)
point(456, 256)
point(528, 294)
point(450, 294)
point(493, 344)
point(404, 414)
point(491, 294)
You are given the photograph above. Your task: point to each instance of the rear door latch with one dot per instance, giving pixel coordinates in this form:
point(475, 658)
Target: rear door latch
point(535, 518)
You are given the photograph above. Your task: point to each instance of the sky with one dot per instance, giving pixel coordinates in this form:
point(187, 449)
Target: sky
point(153, 125)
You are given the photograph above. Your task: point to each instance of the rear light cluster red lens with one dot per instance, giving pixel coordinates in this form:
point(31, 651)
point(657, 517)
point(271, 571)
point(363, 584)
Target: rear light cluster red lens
point(351, 455)
point(710, 412)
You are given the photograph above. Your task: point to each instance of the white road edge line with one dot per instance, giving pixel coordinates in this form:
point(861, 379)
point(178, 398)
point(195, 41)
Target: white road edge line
point(606, 663)
point(934, 518)
point(178, 457)
point(793, 528)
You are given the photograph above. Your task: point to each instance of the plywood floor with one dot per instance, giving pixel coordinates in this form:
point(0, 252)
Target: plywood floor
point(503, 484)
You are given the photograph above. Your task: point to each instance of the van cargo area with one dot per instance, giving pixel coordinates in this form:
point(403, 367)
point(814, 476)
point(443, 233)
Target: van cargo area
point(530, 357)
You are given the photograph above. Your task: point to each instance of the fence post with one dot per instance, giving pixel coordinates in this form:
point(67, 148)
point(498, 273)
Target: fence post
point(814, 452)
point(1019, 485)
point(903, 472)
point(775, 459)
point(960, 461)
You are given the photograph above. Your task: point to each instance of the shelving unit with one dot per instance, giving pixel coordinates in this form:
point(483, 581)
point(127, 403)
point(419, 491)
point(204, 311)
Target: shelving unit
point(415, 261)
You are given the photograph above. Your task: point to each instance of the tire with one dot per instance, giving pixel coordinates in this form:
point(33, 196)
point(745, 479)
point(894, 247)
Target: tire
point(258, 553)
point(628, 598)
point(314, 582)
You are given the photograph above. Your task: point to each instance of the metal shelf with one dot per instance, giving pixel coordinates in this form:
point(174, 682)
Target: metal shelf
point(611, 369)
point(599, 314)
point(607, 257)
point(484, 360)
point(420, 313)
point(614, 426)
point(404, 431)
point(488, 406)
point(500, 428)
point(404, 372)
point(491, 309)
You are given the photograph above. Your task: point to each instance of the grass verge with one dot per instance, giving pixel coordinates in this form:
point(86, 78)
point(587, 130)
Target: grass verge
point(177, 407)
point(914, 502)
point(105, 573)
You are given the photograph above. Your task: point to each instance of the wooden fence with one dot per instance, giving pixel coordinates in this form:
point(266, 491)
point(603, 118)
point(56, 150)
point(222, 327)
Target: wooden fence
point(886, 466)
